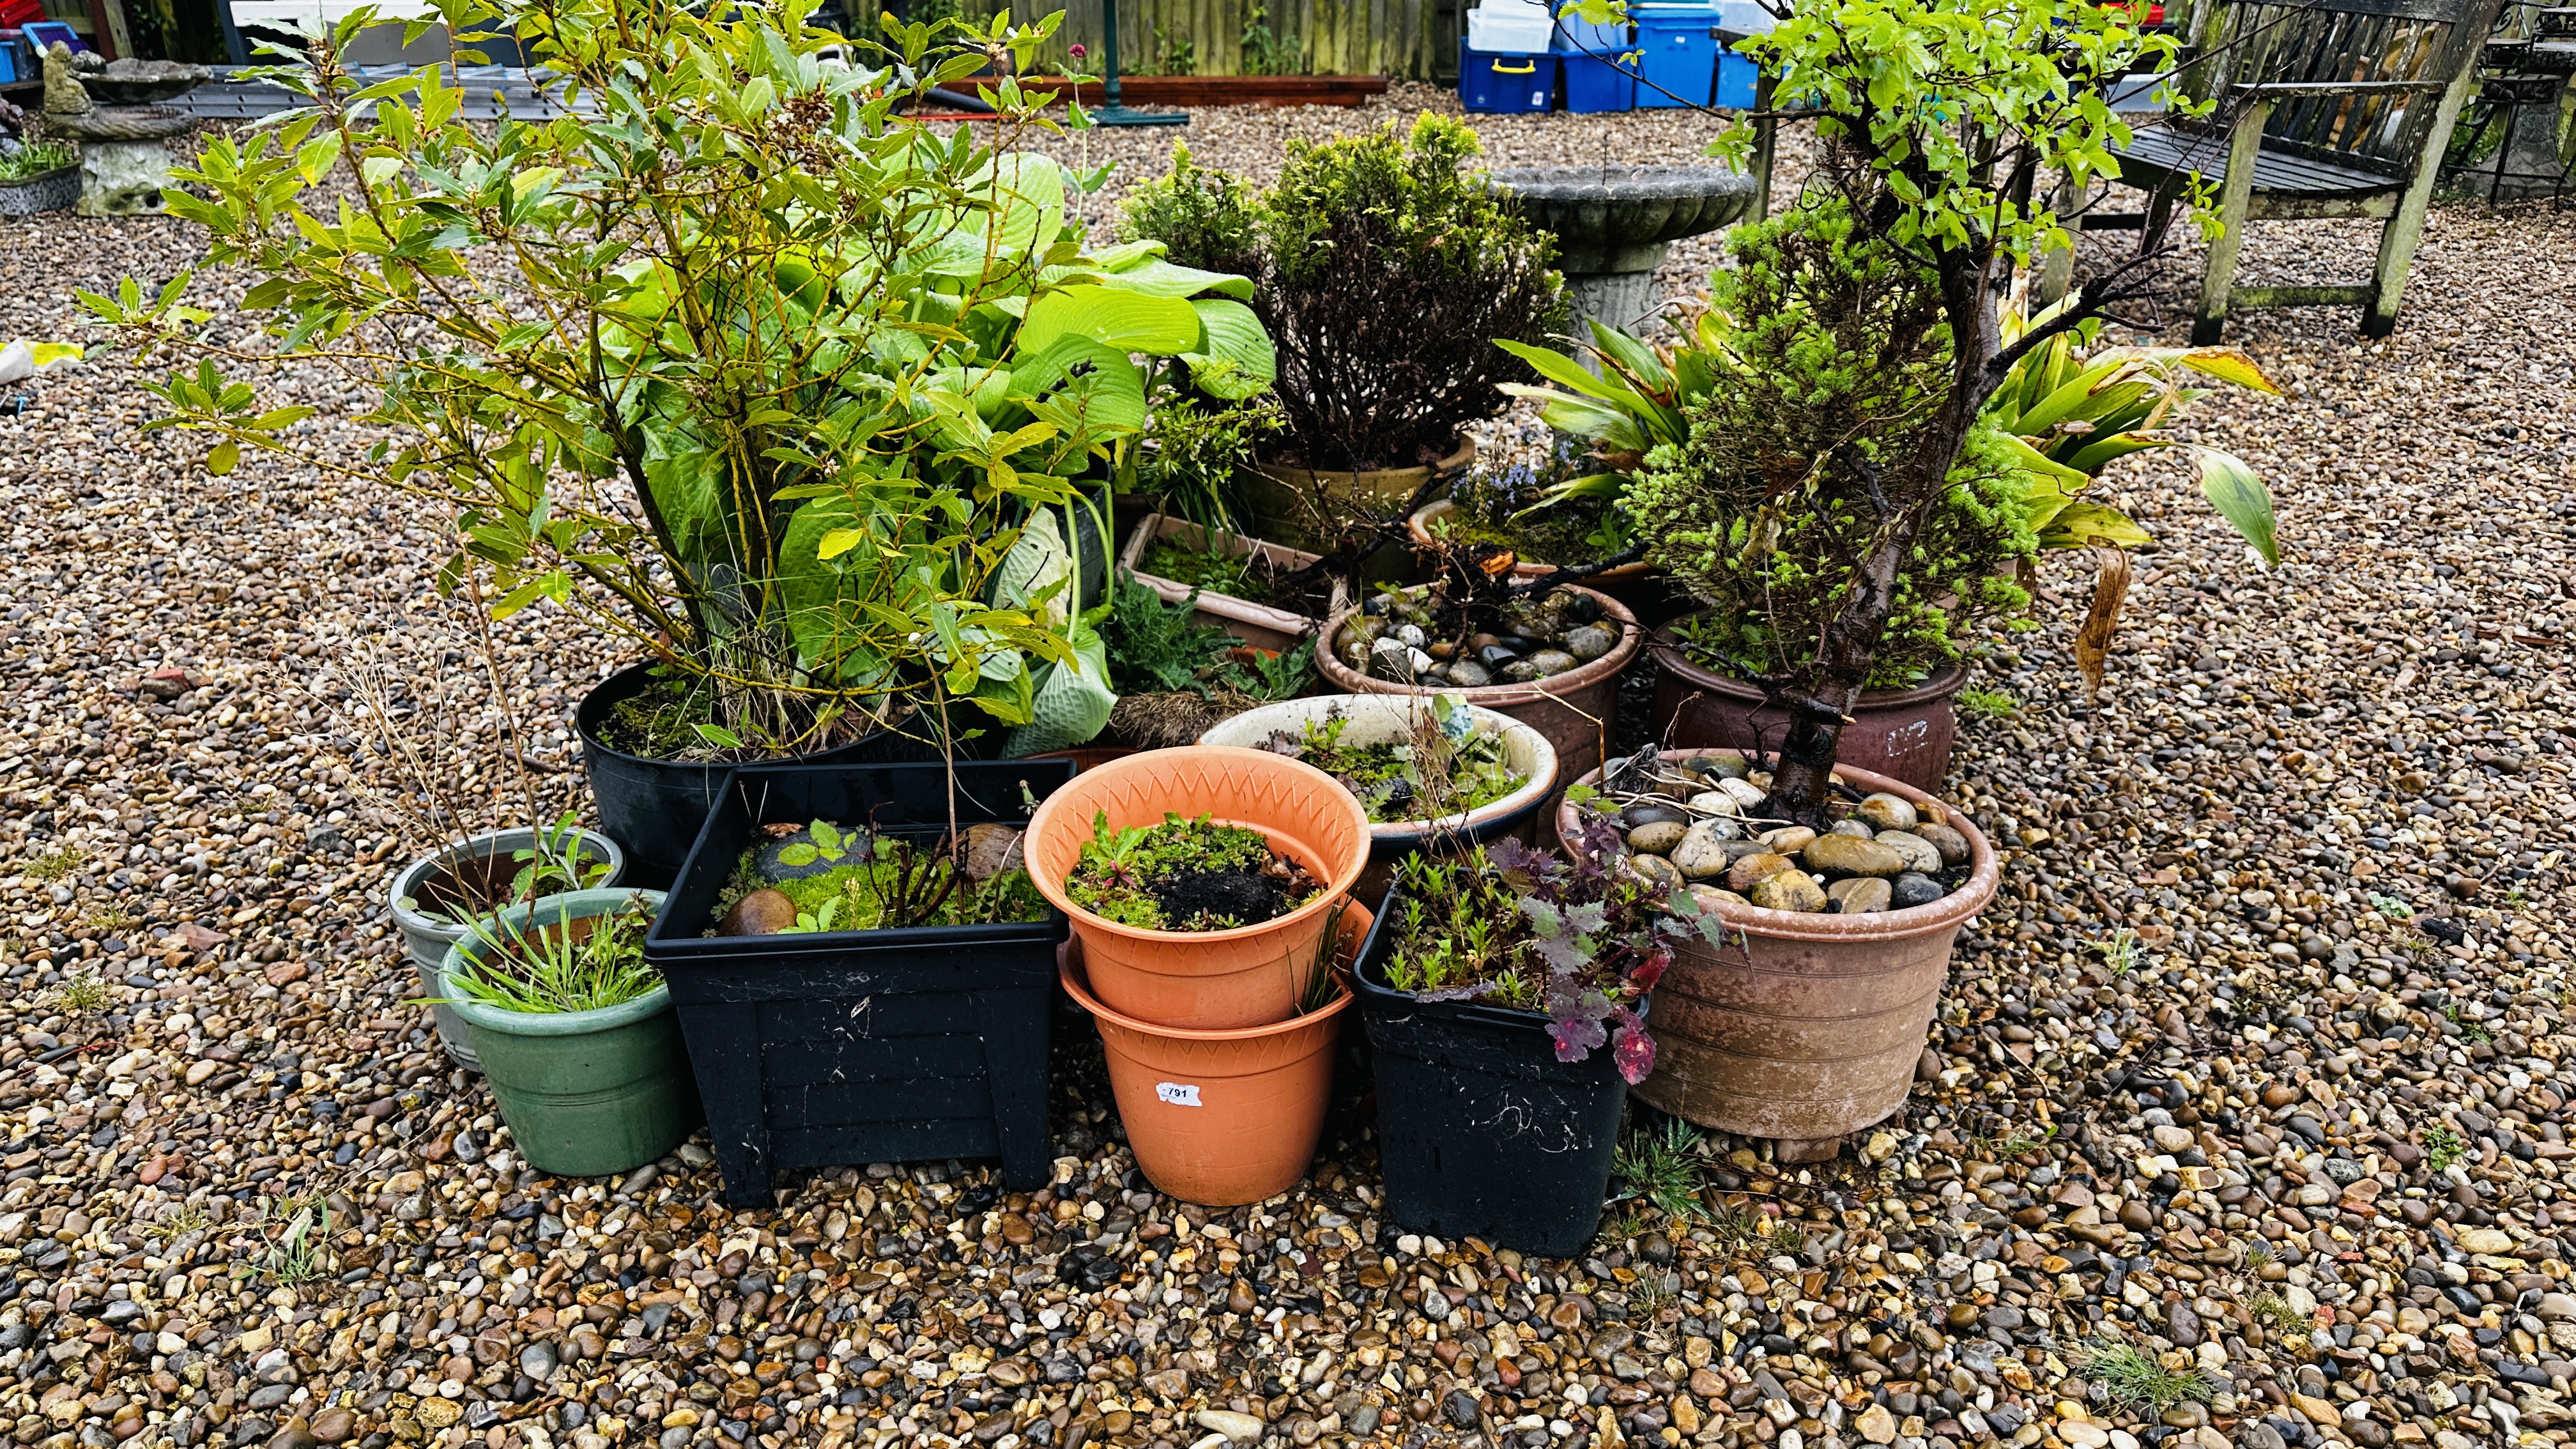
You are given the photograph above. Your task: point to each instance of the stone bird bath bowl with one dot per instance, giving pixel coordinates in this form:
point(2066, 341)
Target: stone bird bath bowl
point(1614, 225)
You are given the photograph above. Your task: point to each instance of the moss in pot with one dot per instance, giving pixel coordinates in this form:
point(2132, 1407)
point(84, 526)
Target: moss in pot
point(823, 877)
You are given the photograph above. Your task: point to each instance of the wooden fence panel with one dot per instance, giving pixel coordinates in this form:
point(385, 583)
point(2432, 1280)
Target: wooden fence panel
point(1400, 38)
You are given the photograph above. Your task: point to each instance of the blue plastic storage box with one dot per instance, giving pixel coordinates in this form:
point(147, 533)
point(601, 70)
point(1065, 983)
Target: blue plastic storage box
point(1495, 84)
point(1598, 60)
point(1680, 63)
point(1593, 86)
point(1735, 77)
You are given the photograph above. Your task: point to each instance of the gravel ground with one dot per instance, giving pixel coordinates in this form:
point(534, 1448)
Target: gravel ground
point(2293, 1143)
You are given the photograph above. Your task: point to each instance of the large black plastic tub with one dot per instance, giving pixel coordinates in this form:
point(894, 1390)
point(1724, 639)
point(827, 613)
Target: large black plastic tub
point(845, 1047)
point(1481, 1130)
point(654, 808)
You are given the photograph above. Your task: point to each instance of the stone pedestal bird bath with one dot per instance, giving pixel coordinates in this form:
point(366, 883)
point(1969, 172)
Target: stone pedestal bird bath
point(1614, 226)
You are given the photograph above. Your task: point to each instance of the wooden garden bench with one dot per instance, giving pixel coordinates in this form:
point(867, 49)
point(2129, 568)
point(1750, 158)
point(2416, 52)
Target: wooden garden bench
point(2325, 109)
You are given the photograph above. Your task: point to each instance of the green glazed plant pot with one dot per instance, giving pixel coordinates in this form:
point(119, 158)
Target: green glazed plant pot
point(586, 1093)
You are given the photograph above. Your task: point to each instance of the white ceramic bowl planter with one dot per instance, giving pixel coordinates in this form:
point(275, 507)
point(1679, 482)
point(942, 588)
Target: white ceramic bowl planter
point(1377, 718)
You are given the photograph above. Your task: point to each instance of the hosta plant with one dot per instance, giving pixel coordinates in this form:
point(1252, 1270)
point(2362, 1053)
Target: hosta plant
point(739, 362)
point(1582, 940)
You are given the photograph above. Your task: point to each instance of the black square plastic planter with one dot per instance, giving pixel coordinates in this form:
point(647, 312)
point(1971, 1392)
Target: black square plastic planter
point(838, 1048)
point(1481, 1130)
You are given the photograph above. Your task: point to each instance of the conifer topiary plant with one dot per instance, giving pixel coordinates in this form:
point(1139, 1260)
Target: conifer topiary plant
point(1827, 354)
point(1871, 454)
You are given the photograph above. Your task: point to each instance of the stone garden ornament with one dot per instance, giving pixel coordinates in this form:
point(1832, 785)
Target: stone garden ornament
point(112, 110)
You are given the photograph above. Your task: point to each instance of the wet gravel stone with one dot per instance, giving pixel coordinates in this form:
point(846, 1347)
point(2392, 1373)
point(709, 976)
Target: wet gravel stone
point(2243, 1122)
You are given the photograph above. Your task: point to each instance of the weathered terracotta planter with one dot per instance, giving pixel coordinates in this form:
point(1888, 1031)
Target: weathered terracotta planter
point(1204, 980)
point(1804, 1027)
point(1259, 625)
point(1376, 717)
point(1278, 492)
point(1905, 734)
point(1577, 710)
point(1222, 1118)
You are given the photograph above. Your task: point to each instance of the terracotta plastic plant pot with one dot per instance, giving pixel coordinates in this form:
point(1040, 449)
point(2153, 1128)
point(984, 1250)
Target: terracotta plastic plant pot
point(1222, 1118)
point(1205, 980)
point(1577, 710)
point(1373, 718)
point(1279, 494)
point(1803, 1027)
point(1259, 625)
point(1903, 733)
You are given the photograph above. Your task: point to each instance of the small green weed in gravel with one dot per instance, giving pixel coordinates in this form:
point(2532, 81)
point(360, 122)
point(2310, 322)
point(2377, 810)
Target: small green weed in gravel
point(2123, 953)
point(109, 920)
point(178, 1224)
point(81, 994)
point(2442, 1147)
point(1736, 1230)
point(1661, 1169)
point(2014, 1141)
point(1986, 703)
point(1652, 1295)
point(298, 1256)
point(2391, 907)
point(2130, 1377)
point(2274, 1312)
point(54, 865)
point(1622, 1225)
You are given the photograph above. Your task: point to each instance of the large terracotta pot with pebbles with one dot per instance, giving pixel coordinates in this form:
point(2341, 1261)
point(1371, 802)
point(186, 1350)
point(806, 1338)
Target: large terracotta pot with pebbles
point(1806, 1025)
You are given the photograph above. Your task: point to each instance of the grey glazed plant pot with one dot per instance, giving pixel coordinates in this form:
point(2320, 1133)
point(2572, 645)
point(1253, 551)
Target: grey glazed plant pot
point(45, 191)
point(426, 938)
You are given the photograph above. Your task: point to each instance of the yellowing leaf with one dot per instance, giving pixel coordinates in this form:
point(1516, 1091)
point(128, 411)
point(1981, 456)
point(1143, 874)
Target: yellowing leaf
point(2237, 492)
point(2093, 638)
point(223, 458)
point(839, 541)
point(2086, 525)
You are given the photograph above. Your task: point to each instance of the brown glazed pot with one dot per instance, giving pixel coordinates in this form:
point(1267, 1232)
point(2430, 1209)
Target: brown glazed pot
point(1279, 493)
point(1806, 1027)
point(1905, 734)
point(1576, 710)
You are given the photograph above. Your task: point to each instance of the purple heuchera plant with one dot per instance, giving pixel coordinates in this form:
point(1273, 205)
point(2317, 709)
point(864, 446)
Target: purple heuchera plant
point(1603, 934)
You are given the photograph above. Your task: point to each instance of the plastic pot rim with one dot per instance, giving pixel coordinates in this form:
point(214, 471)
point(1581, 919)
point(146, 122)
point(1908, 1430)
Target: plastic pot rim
point(1529, 795)
point(571, 905)
point(493, 842)
point(1673, 658)
point(1344, 876)
point(1493, 696)
point(1079, 988)
point(584, 726)
point(1418, 525)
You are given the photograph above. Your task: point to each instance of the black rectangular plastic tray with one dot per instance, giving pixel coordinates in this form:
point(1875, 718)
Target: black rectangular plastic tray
point(838, 1048)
